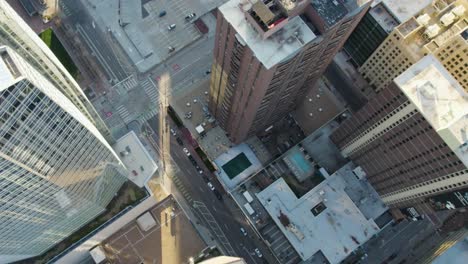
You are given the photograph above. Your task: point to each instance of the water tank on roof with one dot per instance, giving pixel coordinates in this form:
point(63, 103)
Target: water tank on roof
point(432, 31)
point(423, 19)
point(459, 10)
point(447, 19)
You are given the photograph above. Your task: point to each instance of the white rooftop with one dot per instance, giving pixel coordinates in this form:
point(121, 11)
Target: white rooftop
point(278, 47)
point(403, 10)
point(336, 231)
point(136, 158)
point(224, 260)
point(441, 100)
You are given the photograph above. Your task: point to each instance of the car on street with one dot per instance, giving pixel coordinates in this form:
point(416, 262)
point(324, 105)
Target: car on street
point(208, 72)
point(243, 231)
point(173, 132)
point(258, 253)
point(190, 16)
point(192, 160)
point(179, 141)
point(171, 49)
point(200, 170)
point(206, 179)
point(186, 151)
point(210, 185)
point(218, 195)
point(162, 13)
point(171, 27)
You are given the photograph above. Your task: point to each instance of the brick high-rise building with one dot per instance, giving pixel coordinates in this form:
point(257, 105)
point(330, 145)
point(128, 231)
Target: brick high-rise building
point(440, 29)
point(269, 53)
point(411, 139)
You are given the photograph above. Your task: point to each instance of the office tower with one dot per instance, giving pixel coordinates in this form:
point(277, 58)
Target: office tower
point(57, 172)
point(269, 53)
point(377, 24)
point(15, 33)
point(411, 140)
point(440, 29)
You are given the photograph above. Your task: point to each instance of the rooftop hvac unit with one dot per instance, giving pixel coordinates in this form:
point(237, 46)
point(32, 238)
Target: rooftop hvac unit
point(432, 31)
point(423, 19)
point(447, 19)
point(459, 10)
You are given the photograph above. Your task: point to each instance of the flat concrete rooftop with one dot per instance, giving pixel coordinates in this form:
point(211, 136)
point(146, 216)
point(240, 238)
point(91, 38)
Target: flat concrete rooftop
point(403, 10)
point(323, 220)
point(137, 160)
point(440, 99)
point(274, 49)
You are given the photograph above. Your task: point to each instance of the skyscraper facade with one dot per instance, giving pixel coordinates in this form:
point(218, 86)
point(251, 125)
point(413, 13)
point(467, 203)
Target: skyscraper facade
point(57, 172)
point(16, 34)
point(377, 24)
point(411, 140)
point(268, 54)
point(440, 29)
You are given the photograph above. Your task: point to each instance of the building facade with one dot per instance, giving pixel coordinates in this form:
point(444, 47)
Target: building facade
point(15, 33)
point(411, 140)
point(377, 24)
point(57, 172)
point(268, 54)
point(440, 29)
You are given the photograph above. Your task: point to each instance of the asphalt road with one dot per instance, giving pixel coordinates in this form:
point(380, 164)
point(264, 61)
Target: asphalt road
point(230, 220)
point(90, 32)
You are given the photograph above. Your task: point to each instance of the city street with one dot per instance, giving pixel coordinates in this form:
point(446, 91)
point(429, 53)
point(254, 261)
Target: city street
point(223, 218)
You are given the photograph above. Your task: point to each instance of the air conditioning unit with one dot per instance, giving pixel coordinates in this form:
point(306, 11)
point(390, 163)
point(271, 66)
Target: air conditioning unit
point(447, 19)
point(459, 10)
point(432, 31)
point(423, 19)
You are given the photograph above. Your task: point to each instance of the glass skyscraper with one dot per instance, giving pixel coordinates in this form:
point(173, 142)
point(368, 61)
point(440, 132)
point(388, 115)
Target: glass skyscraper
point(57, 172)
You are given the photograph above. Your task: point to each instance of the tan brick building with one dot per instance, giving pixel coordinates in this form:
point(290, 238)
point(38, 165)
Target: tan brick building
point(440, 29)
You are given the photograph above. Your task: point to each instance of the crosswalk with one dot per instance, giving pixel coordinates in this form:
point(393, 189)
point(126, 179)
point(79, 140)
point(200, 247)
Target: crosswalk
point(124, 114)
point(151, 90)
point(66, 12)
point(128, 83)
point(148, 115)
point(180, 186)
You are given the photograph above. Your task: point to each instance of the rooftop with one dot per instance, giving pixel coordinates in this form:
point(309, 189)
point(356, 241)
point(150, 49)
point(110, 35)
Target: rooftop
point(136, 158)
point(332, 11)
point(271, 50)
point(403, 10)
point(324, 220)
point(441, 100)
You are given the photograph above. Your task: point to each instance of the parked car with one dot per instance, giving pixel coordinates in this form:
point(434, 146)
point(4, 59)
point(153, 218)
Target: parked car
point(186, 151)
point(162, 13)
point(243, 231)
point(258, 253)
point(208, 72)
point(192, 160)
point(218, 195)
point(206, 179)
point(173, 132)
point(210, 185)
point(190, 16)
point(179, 141)
point(171, 27)
point(171, 49)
